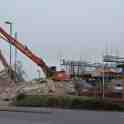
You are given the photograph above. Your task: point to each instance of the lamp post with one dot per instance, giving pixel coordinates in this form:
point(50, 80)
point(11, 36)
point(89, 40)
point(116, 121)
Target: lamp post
point(103, 81)
point(11, 31)
point(16, 37)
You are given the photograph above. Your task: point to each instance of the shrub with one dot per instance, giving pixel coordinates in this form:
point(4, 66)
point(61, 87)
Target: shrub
point(73, 102)
point(20, 96)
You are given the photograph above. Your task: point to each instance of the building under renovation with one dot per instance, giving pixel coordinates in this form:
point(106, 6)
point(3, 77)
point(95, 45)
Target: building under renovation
point(79, 68)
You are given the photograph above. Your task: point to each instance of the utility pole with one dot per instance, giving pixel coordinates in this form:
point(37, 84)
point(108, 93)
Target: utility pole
point(103, 82)
point(16, 36)
point(11, 32)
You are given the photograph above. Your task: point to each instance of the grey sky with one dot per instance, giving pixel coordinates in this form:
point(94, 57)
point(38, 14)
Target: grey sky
point(70, 28)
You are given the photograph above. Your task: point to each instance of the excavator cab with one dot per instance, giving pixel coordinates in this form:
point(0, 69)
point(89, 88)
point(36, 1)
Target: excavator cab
point(58, 75)
point(50, 71)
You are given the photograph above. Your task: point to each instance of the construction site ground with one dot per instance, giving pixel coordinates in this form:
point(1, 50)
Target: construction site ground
point(9, 89)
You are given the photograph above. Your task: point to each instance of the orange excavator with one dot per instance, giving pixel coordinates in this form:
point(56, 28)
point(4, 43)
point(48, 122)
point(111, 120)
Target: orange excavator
point(50, 72)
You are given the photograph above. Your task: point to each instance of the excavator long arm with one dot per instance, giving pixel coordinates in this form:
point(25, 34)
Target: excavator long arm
point(25, 50)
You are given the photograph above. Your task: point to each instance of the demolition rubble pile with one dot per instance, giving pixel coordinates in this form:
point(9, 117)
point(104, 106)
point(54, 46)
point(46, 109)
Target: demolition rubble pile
point(9, 89)
point(47, 87)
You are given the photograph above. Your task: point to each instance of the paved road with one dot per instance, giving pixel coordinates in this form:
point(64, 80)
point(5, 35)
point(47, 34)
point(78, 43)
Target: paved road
point(62, 117)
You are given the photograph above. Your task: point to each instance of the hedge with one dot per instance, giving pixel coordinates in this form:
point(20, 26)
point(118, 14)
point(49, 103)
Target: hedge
point(69, 102)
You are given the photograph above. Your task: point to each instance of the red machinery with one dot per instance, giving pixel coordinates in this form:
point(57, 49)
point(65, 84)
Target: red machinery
point(49, 72)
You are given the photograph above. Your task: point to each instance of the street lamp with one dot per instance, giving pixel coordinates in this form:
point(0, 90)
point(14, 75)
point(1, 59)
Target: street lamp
point(103, 81)
point(10, 28)
point(16, 37)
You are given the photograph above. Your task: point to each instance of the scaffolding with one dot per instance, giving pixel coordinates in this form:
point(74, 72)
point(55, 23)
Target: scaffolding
point(78, 68)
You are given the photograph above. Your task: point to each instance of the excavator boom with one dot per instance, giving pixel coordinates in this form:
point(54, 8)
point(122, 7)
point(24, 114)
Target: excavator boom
point(49, 72)
point(25, 50)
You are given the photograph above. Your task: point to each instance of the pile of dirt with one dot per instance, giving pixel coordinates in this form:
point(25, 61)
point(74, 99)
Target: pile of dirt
point(7, 89)
point(48, 87)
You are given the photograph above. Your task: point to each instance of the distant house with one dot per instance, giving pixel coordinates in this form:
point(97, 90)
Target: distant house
point(109, 73)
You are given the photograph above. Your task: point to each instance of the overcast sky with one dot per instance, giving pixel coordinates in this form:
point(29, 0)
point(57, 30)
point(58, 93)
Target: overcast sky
point(68, 28)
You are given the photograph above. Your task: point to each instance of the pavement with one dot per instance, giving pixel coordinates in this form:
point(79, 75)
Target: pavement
point(38, 115)
point(25, 109)
point(6, 106)
point(59, 116)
